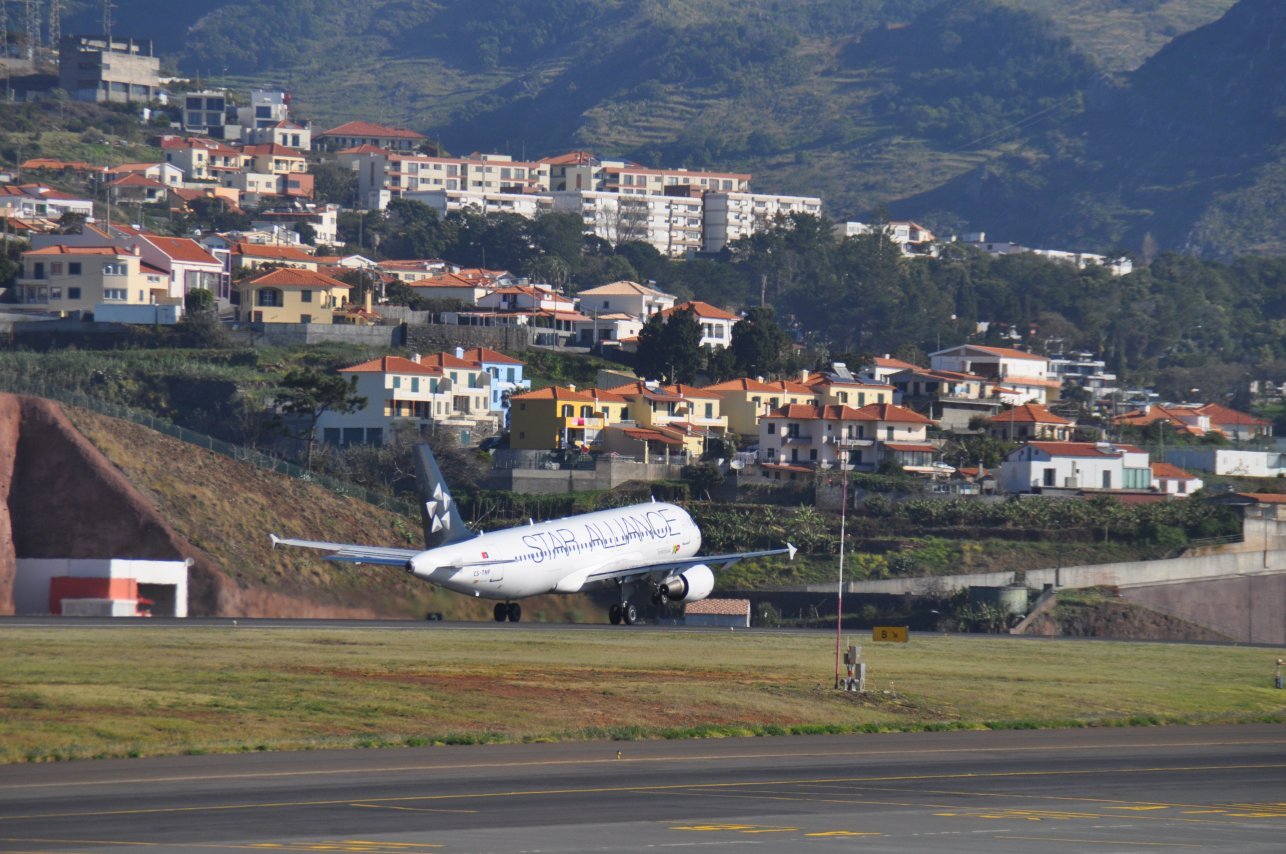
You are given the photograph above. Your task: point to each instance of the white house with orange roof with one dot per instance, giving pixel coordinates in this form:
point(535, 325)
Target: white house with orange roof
point(1017, 376)
point(1198, 420)
point(625, 297)
point(602, 328)
point(839, 385)
point(881, 368)
point(525, 298)
point(833, 435)
point(1075, 465)
point(1029, 421)
point(202, 159)
point(1169, 479)
point(716, 324)
point(468, 386)
point(397, 390)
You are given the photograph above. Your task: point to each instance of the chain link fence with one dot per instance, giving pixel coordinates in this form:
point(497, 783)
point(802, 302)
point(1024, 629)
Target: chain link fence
point(235, 452)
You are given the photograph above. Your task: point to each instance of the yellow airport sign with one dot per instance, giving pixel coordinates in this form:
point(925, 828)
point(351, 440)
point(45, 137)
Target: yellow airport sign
point(889, 634)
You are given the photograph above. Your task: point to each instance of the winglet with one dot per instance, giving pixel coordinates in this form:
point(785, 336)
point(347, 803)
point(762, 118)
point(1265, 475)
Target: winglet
point(790, 548)
point(275, 539)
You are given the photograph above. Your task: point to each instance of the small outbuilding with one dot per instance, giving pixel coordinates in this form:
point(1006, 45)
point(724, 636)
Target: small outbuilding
point(718, 612)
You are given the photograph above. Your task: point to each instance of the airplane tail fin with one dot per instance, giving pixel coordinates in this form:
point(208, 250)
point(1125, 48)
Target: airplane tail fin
point(443, 524)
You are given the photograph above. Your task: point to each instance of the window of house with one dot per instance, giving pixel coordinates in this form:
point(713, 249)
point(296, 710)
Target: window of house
point(73, 268)
point(114, 269)
point(55, 293)
point(55, 268)
point(568, 410)
point(117, 294)
point(772, 429)
point(888, 434)
point(73, 293)
point(397, 382)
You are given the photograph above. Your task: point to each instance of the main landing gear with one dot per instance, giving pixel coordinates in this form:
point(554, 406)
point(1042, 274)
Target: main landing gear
point(510, 611)
point(626, 613)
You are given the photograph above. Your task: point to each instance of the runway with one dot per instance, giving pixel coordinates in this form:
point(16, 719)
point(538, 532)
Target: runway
point(1102, 790)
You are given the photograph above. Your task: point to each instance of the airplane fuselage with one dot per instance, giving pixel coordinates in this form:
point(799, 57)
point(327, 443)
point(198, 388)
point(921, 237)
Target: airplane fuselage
point(562, 555)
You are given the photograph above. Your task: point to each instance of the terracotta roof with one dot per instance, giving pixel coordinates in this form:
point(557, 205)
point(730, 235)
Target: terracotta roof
point(555, 393)
point(893, 413)
point(1028, 413)
point(292, 277)
point(571, 158)
point(1004, 352)
point(1075, 449)
point(623, 288)
point(485, 354)
point(273, 149)
point(391, 365)
point(1170, 471)
point(701, 309)
point(650, 435)
point(726, 607)
point(803, 411)
point(80, 250)
point(1265, 497)
point(691, 391)
point(887, 362)
point(182, 249)
point(640, 388)
point(358, 128)
point(450, 360)
point(1221, 415)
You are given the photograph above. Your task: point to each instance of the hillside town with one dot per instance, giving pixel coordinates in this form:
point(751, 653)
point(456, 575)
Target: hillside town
point(1062, 415)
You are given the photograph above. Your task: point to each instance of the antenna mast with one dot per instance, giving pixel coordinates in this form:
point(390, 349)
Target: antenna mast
point(33, 30)
point(55, 24)
point(107, 21)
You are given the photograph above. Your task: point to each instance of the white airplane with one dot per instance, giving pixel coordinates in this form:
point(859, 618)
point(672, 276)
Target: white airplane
point(645, 548)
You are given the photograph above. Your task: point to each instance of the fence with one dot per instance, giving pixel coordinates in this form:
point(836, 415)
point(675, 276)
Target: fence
point(209, 443)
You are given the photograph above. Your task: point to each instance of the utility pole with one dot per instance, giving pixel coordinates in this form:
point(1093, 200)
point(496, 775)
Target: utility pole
point(4, 30)
point(107, 21)
point(839, 587)
point(55, 24)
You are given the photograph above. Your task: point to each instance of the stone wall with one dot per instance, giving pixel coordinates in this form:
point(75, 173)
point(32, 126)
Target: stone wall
point(435, 337)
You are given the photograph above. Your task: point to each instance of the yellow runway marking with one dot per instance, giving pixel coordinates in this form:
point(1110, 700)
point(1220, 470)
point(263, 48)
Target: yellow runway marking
point(671, 787)
point(856, 754)
point(845, 833)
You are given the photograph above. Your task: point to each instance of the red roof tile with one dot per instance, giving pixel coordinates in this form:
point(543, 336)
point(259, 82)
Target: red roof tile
point(358, 128)
point(391, 365)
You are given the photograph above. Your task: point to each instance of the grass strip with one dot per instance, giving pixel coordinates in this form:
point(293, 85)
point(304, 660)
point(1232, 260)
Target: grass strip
point(76, 693)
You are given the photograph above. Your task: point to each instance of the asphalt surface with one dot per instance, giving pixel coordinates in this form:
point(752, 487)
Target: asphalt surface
point(1157, 789)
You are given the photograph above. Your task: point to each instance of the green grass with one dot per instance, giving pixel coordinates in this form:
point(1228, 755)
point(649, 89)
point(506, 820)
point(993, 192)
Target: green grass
point(81, 693)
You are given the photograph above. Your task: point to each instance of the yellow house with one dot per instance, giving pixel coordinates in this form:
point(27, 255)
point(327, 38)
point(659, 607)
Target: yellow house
point(744, 401)
point(79, 278)
point(830, 389)
point(255, 255)
point(288, 295)
point(557, 417)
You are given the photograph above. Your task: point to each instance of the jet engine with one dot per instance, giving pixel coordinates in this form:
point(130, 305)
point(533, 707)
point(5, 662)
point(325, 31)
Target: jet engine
point(693, 584)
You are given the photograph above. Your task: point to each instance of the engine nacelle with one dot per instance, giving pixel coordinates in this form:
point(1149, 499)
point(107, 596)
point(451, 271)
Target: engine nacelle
point(691, 585)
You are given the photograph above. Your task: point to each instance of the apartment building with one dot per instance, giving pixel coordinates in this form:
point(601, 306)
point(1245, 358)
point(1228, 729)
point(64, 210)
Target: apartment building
point(384, 175)
point(671, 224)
point(632, 179)
point(732, 216)
point(529, 205)
point(354, 134)
point(102, 68)
point(64, 279)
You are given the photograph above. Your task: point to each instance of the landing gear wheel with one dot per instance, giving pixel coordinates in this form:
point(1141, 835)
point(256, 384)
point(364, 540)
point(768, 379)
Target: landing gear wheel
point(515, 612)
point(502, 612)
point(614, 615)
point(629, 613)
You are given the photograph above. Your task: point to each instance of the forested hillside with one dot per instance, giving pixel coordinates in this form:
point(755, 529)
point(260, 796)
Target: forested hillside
point(1086, 124)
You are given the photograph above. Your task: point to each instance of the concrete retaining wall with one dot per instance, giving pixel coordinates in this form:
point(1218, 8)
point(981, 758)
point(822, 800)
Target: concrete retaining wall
point(1092, 575)
point(297, 334)
point(433, 337)
point(605, 476)
point(1249, 608)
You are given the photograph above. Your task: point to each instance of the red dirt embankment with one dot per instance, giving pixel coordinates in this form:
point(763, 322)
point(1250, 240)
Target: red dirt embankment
point(64, 499)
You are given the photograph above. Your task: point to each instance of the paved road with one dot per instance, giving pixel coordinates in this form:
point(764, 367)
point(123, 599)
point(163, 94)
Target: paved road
point(1160, 789)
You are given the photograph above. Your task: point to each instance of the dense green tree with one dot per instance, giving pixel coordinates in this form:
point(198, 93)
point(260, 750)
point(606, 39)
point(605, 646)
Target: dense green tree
point(310, 393)
point(669, 348)
point(760, 347)
point(334, 184)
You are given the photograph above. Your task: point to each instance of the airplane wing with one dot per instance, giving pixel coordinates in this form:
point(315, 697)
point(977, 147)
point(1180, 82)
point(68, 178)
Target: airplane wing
point(349, 553)
point(671, 566)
